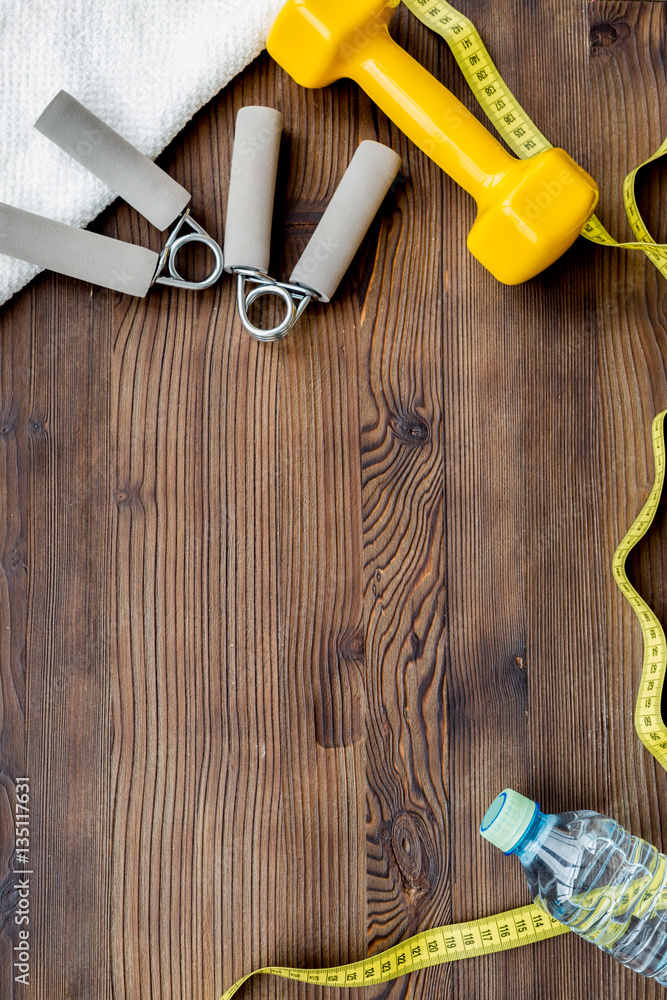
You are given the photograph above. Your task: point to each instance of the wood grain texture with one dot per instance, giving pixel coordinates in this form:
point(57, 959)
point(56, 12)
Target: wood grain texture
point(277, 622)
point(630, 46)
point(401, 403)
point(56, 669)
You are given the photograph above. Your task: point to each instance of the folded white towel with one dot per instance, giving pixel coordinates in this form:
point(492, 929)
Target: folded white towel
point(143, 66)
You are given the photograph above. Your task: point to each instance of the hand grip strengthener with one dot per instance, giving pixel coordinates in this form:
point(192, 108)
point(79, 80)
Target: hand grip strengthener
point(333, 244)
point(92, 257)
point(133, 269)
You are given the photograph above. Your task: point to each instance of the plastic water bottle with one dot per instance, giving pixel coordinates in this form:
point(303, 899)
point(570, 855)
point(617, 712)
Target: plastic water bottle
point(590, 874)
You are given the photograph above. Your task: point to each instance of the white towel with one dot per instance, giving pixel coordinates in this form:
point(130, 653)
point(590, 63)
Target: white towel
point(143, 66)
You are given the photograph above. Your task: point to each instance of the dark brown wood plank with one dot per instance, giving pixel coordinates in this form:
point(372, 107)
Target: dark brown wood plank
point(401, 400)
point(15, 352)
point(56, 666)
point(627, 76)
point(516, 377)
point(197, 769)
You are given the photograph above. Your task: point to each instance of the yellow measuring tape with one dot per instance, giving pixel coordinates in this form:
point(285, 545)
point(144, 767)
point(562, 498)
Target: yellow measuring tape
point(442, 944)
point(648, 719)
point(517, 129)
point(527, 924)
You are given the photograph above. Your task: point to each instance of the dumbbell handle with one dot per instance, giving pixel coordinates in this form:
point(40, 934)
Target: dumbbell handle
point(432, 117)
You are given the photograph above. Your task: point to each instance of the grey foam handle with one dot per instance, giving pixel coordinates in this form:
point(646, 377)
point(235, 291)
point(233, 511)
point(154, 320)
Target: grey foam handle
point(347, 219)
point(76, 252)
point(252, 188)
point(113, 159)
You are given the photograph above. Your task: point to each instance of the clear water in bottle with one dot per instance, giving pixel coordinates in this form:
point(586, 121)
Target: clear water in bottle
point(590, 874)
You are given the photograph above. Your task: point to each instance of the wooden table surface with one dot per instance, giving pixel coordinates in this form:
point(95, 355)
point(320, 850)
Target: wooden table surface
point(278, 622)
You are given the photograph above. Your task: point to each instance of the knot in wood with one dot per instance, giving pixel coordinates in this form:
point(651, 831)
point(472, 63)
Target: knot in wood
point(14, 560)
point(127, 495)
point(415, 862)
point(351, 644)
point(407, 848)
point(36, 427)
point(7, 425)
point(606, 33)
point(411, 429)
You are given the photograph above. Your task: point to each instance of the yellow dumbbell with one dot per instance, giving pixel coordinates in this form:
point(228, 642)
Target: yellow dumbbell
point(529, 211)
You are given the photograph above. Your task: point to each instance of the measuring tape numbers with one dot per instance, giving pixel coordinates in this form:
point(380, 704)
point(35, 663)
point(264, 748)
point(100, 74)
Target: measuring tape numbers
point(527, 924)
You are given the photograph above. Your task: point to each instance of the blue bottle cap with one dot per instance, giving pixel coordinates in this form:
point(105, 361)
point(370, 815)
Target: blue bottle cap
point(507, 819)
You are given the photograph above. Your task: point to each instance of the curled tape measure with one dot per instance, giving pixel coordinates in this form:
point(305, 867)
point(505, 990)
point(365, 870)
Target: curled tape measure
point(527, 924)
point(648, 719)
point(517, 129)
